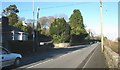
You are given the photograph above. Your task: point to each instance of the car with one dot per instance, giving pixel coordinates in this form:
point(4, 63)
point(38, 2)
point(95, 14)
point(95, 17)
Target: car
point(7, 58)
point(42, 43)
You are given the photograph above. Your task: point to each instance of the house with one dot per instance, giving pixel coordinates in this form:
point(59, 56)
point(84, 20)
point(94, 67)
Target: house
point(11, 33)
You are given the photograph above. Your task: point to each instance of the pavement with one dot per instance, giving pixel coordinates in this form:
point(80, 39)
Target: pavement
point(96, 60)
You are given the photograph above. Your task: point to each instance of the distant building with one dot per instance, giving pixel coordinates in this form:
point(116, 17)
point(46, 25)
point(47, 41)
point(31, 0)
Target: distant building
point(11, 33)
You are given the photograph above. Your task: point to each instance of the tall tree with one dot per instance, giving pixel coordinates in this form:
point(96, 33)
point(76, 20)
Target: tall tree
point(13, 19)
point(78, 32)
point(76, 23)
point(11, 12)
point(60, 31)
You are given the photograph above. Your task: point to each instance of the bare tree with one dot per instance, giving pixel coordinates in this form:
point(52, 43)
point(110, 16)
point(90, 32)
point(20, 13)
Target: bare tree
point(43, 21)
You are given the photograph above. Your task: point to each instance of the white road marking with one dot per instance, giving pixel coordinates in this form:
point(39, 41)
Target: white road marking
point(69, 53)
point(89, 58)
point(39, 63)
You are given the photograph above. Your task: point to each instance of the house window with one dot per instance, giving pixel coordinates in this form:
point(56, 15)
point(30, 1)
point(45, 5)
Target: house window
point(19, 36)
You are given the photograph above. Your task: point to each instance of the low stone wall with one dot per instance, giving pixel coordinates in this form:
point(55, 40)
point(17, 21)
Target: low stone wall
point(62, 45)
point(111, 57)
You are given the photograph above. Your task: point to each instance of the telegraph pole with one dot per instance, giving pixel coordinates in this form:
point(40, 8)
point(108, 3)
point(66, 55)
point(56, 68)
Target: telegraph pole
point(33, 21)
point(101, 25)
point(33, 28)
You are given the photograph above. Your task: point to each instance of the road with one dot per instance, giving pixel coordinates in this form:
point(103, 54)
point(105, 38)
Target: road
point(74, 59)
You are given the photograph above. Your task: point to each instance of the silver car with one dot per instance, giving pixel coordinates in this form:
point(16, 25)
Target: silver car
point(7, 58)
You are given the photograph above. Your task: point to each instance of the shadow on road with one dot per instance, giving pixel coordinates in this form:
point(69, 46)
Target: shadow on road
point(48, 53)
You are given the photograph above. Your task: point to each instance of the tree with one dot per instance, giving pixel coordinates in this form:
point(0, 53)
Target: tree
point(60, 31)
point(13, 19)
point(11, 12)
point(43, 21)
point(76, 23)
point(97, 38)
point(50, 20)
point(11, 9)
point(20, 26)
point(43, 31)
point(78, 31)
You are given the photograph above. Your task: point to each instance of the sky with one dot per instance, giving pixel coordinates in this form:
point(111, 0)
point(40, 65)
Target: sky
point(89, 10)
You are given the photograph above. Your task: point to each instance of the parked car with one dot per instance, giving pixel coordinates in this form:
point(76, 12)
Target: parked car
point(8, 59)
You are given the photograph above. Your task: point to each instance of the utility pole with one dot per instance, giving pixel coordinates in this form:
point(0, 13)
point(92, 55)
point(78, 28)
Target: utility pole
point(33, 21)
point(33, 28)
point(101, 25)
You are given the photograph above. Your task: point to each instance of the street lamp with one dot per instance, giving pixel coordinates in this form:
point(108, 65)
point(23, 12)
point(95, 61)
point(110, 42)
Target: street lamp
point(38, 9)
point(101, 25)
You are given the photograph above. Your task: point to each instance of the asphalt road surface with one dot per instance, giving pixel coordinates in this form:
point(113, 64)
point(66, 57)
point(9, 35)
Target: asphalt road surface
point(85, 57)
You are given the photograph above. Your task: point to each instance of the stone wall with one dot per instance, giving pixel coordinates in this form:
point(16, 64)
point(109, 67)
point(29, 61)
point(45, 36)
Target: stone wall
point(111, 57)
point(62, 45)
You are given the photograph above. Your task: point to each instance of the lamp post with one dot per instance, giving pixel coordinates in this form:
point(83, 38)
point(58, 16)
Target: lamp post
point(101, 25)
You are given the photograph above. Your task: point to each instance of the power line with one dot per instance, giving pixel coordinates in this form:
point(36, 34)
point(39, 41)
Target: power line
point(44, 8)
point(61, 6)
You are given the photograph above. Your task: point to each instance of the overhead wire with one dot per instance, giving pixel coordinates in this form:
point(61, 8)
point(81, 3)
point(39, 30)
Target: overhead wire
point(44, 8)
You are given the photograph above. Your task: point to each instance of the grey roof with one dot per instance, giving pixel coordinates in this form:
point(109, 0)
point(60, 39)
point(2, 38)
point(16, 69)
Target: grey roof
point(8, 28)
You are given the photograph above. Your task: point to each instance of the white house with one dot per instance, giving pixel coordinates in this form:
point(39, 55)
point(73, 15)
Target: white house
point(12, 33)
point(19, 35)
